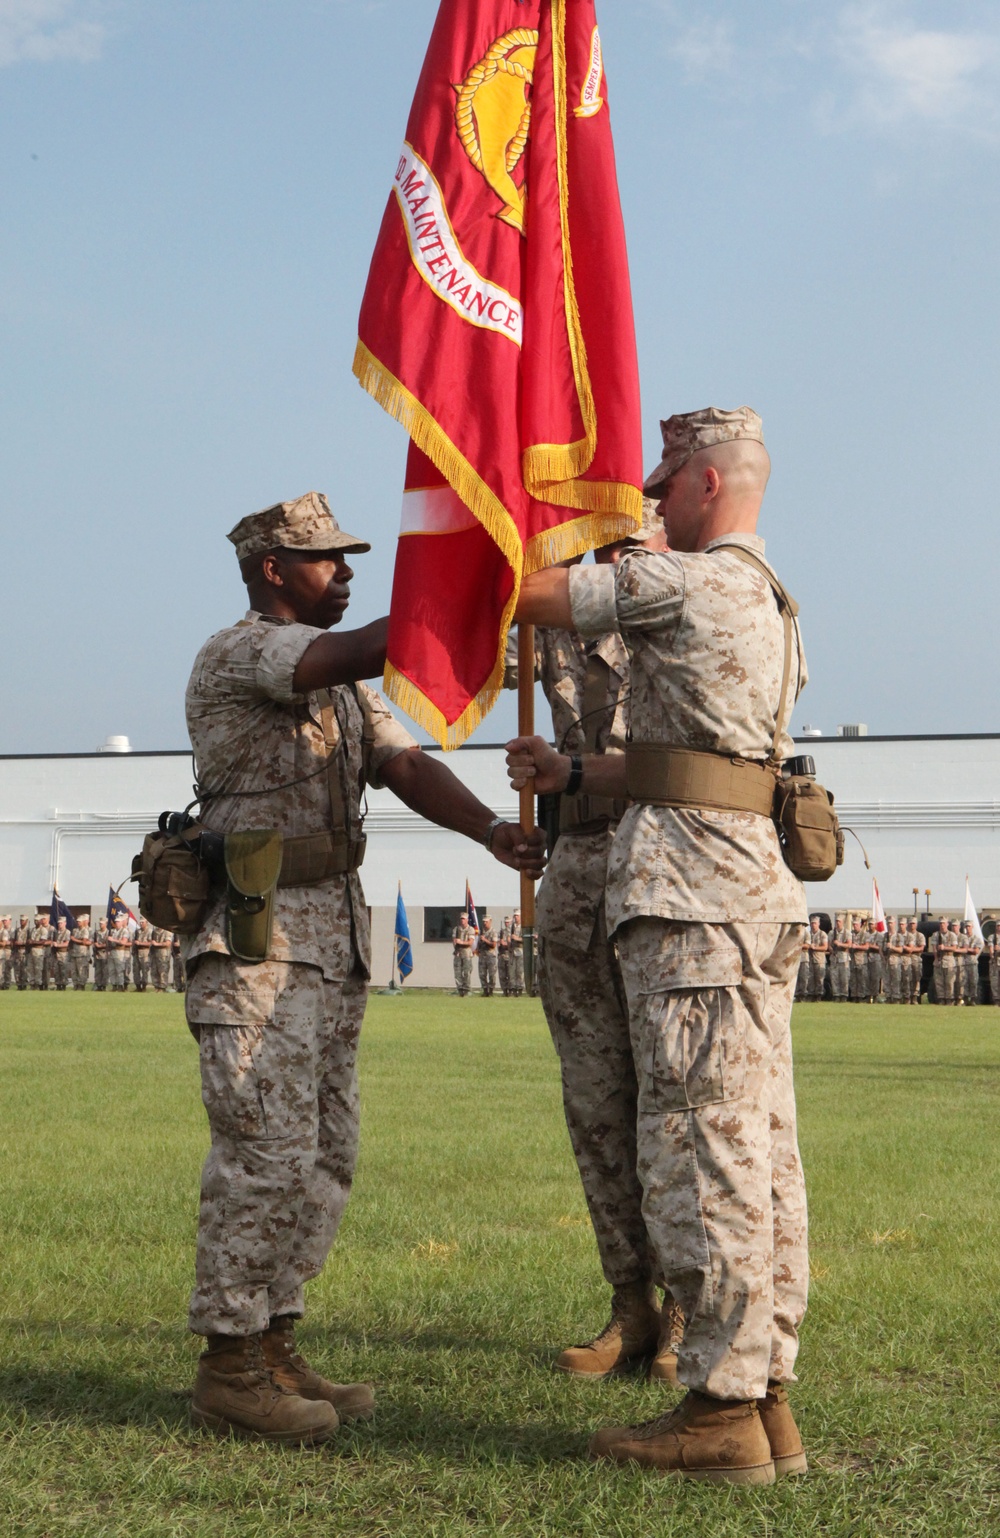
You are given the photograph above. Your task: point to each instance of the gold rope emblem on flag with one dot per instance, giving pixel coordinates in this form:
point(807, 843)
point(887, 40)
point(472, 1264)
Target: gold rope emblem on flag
point(493, 117)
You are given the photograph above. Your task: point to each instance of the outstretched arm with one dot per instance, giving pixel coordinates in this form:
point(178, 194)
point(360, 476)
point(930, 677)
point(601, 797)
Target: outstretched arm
point(342, 658)
point(544, 599)
point(428, 787)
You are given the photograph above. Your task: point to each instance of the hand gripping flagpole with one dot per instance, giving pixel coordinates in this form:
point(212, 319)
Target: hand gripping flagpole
point(526, 728)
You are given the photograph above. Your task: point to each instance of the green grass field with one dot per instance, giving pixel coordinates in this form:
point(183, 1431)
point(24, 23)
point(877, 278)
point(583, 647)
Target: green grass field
point(465, 1262)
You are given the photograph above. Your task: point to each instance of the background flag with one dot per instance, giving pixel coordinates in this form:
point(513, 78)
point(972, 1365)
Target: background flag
point(59, 910)
point(471, 914)
point(971, 914)
point(404, 950)
point(878, 912)
point(497, 327)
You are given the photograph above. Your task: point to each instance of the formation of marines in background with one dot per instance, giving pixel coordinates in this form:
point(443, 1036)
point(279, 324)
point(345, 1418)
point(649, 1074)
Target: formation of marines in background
point(500, 954)
point(861, 964)
point(40, 955)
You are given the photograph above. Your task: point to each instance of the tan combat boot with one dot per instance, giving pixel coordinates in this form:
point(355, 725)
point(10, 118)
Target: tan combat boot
point(722, 1441)
point(352, 1401)
point(664, 1366)
point(628, 1340)
point(781, 1431)
point(236, 1392)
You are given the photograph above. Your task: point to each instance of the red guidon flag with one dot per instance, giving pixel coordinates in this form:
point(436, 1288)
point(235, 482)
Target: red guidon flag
point(497, 328)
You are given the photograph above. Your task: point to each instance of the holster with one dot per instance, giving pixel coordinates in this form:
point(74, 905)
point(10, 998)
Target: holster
point(253, 864)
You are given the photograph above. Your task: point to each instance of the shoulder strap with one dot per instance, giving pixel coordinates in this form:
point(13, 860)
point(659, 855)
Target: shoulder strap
point(789, 611)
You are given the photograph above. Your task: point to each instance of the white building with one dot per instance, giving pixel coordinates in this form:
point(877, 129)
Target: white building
point(926, 808)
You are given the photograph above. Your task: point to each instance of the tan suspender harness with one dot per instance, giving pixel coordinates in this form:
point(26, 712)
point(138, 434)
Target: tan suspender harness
point(316, 857)
point(684, 777)
point(583, 813)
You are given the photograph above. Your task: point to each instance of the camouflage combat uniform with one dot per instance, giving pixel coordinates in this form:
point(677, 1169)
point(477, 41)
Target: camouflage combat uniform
point(159, 959)
point(993, 950)
point(840, 961)
point(874, 939)
point(21, 934)
point(819, 949)
point(462, 941)
point(6, 953)
point(579, 978)
point(487, 953)
point(913, 974)
point(142, 941)
point(278, 1040)
point(81, 945)
point(942, 949)
point(892, 963)
point(61, 941)
point(859, 962)
point(101, 956)
point(709, 923)
point(119, 956)
point(38, 949)
point(970, 968)
point(803, 975)
point(516, 961)
point(503, 958)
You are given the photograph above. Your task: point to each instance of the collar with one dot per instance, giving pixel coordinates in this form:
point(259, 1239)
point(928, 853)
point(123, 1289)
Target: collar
point(749, 542)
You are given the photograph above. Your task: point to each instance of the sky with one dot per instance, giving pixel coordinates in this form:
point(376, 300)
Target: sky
point(189, 198)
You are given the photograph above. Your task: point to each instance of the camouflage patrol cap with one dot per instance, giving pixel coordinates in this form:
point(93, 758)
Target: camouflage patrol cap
point(305, 524)
point(684, 435)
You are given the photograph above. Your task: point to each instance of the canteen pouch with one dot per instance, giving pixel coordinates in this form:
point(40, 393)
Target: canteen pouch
point(175, 885)
point(253, 864)
point(811, 838)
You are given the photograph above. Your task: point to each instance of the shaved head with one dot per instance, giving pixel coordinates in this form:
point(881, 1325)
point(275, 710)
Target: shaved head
point(743, 466)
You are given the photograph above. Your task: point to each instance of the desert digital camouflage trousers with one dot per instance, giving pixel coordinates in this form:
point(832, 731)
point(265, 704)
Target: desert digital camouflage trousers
point(278, 1048)
point(724, 1196)
point(584, 1003)
point(487, 971)
point(461, 962)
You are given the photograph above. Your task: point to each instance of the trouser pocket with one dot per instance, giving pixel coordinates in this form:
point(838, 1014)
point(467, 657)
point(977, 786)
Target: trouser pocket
point(693, 1039)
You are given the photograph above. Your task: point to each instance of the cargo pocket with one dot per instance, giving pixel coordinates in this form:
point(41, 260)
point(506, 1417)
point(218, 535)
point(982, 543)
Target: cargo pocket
point(694, 1028)
point(231, 1083)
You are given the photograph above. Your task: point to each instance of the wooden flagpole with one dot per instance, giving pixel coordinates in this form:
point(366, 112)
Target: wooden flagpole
point(526, 728)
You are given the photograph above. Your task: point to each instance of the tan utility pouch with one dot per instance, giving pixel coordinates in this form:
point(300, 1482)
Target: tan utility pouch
point(589, 814)
point(811, 840)
point(810, 833)
point(175, 887)
point(253, 864)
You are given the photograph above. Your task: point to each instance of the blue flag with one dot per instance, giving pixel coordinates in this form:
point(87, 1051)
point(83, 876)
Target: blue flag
point(404, 950)
point(59, 910)
point(119, 909)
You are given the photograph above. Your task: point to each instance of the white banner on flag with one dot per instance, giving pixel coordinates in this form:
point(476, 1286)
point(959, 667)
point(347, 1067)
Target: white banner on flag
point(971, 914)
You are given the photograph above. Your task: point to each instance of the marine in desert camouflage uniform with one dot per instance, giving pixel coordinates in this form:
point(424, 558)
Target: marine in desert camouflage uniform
point(81, 945)
point(487, 954)
point(142, 942)
point(39, 943)
point(271, 700)
point(586, 684)
point(21, 934)
point(61, 941)
point(840, 960)
point(101, 939)
point(463, 939)
point(913, 962)
point(159, 959)
point(503, 956)
point(6, 951)
point(944, 955)
point(859, 962)
point(119, 955)
point(993, 952)
point(818, 948)
point(970, 964)
point(875, 939)
point(893, 961)
point(516, 956)
point(709, 923)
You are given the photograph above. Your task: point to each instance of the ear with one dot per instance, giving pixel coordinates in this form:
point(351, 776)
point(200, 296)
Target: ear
point(271, 569)
point(710, 483)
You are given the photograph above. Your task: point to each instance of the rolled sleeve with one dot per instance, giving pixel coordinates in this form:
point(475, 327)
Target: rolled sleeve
point(592, 600)
point(283, 649)
point(649, 590)
point(391, 737)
